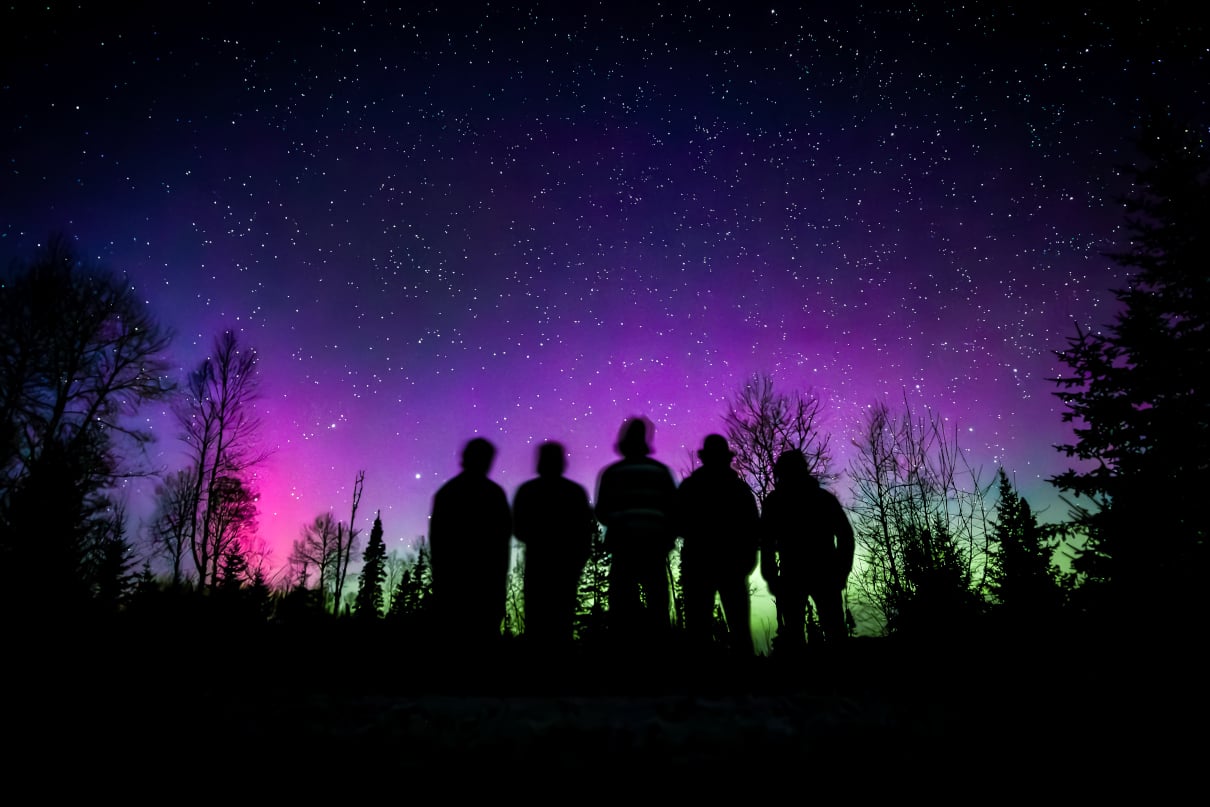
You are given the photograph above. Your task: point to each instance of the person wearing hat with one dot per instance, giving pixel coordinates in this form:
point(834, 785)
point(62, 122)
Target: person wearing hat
point(635, 500)
point(807, 548)
point(719, 522)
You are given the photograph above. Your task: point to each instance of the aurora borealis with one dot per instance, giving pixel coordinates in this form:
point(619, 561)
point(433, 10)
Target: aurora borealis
point(530, 221)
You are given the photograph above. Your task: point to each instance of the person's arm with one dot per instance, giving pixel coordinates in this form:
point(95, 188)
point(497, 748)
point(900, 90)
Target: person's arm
point(504, 513)
point(845, 543)
point(504, 524)
point(584, 536)
point(436, 535)
point(604, 511)
point(768, 545)
point(746, 524)
point(521, 513)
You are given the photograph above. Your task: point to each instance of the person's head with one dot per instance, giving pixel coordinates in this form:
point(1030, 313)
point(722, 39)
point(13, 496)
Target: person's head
point(478, 455)
point(551, 459)
point(634, 440)
point(715, 451)
point(791, 467)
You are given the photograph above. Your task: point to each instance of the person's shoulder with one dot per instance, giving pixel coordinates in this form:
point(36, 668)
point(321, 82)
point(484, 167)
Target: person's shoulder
point(449, 485)
point(690, 486)
point(658, 466)
point(694, 478)
point(737, 483)
point(447, 498)
point(614, 467)
point(571, 485)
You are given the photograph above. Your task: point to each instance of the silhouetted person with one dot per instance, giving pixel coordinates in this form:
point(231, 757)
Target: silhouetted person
point(552, 517)
point(635, 500)
point(806, 551)
point(719, 522)
point(469, 537)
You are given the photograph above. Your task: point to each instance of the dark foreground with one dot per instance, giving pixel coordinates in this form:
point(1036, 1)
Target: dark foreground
point(875, 716)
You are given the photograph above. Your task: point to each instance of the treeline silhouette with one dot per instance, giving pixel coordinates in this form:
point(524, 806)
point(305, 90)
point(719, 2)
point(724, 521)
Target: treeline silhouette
point(927, 558)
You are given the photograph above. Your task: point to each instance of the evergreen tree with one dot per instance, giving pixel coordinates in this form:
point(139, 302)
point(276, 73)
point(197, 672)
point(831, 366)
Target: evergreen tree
point(1135, 394)
point(1022, 575)
point(592, 609)
point(259, 595)
point(369, 600)
point(230, 594)
point(47, 523)
point(401, 597)
point(146, 586)
point(111, 562)
point(514, 600)
point(233, 569)
point(414, 594)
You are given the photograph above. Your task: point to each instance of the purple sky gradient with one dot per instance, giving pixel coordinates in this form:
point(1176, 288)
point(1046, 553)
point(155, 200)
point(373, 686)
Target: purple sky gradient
point(435, 225)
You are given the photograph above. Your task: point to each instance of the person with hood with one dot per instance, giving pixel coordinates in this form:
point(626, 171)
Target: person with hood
point(807, 550)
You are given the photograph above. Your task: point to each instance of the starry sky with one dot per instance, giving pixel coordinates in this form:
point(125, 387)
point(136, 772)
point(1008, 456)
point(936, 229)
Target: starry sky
point(530, 221)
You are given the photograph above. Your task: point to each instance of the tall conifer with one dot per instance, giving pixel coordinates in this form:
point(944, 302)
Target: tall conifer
point(1135, 392)
point(373, 574)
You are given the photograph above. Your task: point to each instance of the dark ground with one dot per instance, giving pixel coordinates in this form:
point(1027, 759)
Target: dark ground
point(876, 717)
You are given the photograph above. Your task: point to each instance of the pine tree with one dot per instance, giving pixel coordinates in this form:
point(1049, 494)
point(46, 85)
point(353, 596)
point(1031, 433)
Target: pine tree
point(400, 598)
point(146, 586)
point(414, 593)
point(111, 561)
point(259, 595)
point(1022, 575)
point(1135, 393)
point(592, 607)
point(232, 570)
point(373, 574)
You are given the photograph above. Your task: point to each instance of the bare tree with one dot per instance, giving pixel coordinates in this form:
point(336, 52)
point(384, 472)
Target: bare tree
point(762, 423)
point(176, 509)
point(920, 519)
point(346, 540)
point(315, 556)
point(79, 355)
point(230, 524)
point(220, 427)
point(78, 352)
point(394, 565)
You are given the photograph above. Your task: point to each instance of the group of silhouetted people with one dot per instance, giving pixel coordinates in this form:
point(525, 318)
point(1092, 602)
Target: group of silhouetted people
point(801, 536)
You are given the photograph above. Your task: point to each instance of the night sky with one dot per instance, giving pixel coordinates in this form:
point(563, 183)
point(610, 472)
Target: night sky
point(529, 223)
